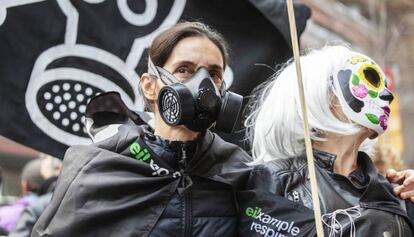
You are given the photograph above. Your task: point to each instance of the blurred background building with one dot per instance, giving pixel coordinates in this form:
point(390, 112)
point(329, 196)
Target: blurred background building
point(13, 157)
point(383, 29)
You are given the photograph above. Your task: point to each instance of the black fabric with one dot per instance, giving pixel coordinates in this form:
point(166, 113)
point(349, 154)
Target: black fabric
point(206, 208)
point(341, 199)
point(410, 211)
point(275, 12)
point(111, 189)
point(34, 33)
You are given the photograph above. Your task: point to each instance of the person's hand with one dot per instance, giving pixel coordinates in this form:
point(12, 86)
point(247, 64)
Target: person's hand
point(405, 179)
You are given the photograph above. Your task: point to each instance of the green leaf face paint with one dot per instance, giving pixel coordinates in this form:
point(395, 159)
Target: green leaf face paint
point(355, 80)
point(373, 94)
point(372, 118)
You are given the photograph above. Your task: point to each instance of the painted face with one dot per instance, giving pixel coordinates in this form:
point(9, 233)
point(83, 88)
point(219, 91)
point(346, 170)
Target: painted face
point(361, 87)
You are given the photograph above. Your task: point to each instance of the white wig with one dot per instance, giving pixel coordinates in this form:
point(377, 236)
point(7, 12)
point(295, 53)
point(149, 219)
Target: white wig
point(274, 125)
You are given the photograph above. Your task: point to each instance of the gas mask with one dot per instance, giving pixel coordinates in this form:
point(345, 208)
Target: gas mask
point(196, 102)
point(361, 87)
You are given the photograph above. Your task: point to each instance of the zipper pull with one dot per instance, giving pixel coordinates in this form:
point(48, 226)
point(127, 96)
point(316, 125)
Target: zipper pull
point(183, 160)
point(186, 180)
point(295, 195)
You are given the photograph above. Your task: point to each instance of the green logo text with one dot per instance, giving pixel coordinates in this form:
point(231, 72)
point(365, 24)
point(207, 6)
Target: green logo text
point(253, 212)
point(140, 154)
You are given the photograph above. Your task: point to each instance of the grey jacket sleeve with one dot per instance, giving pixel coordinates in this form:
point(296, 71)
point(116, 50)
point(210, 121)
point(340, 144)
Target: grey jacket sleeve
point(29, 216)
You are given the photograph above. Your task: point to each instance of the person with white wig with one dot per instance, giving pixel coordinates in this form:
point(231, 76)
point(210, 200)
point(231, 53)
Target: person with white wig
point(348, 105)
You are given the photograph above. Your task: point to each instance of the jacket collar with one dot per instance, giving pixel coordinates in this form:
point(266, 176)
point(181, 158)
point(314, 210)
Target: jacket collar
point(195, 148)
point(376, 187)
point(325, 160)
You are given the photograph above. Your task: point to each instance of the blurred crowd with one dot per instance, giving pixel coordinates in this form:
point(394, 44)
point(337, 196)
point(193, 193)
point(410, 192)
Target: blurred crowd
point(38, 179)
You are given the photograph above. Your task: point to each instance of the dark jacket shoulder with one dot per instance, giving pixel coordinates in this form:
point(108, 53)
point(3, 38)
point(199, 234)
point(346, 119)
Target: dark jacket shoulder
point(273, 175)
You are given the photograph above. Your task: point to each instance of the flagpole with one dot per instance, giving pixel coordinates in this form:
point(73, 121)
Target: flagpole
point(308, 144)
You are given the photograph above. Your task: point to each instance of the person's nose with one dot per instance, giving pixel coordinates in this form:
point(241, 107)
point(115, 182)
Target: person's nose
point(386, 95)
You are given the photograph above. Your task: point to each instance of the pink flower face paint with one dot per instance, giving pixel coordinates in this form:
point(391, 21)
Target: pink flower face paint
point(360, 91)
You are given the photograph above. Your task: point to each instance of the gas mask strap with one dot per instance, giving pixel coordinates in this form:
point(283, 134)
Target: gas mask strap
point(223, 88)
point(152, 70)
point(166, 77)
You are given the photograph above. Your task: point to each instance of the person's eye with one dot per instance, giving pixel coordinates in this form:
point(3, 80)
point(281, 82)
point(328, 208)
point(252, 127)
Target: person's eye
point(182, 70)
point(372, 77)
point(217, 78)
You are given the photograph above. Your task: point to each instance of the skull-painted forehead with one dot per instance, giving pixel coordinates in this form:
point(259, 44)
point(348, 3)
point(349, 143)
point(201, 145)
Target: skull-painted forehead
point(361, 87)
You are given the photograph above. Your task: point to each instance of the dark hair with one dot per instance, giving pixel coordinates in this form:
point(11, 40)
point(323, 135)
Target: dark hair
point(164, 43)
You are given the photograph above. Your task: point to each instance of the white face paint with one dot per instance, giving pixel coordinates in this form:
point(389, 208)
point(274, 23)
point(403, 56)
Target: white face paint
point(361, 87)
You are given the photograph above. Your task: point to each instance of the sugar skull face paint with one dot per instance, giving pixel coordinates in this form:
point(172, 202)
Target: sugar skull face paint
point(361, 87)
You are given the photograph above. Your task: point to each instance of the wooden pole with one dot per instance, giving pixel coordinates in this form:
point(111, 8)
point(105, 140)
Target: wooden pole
point(308, 144)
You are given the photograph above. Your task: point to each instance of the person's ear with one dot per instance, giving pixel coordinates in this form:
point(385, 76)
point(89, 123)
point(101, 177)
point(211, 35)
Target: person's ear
point(149, 87)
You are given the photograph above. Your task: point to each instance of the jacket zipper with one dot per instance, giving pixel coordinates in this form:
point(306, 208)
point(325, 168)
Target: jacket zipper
point(309, 193)
point(187, 213)
point(187, 194)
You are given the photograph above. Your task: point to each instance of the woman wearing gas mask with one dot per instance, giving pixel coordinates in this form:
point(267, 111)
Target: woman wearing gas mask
point(177, 180)
point(348, 102)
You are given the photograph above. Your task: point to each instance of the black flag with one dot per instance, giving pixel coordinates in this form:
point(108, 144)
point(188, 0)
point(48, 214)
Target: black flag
point(58, 54)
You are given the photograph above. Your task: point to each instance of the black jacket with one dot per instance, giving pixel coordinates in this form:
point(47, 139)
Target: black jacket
point(135, 184)
point(364, 199)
